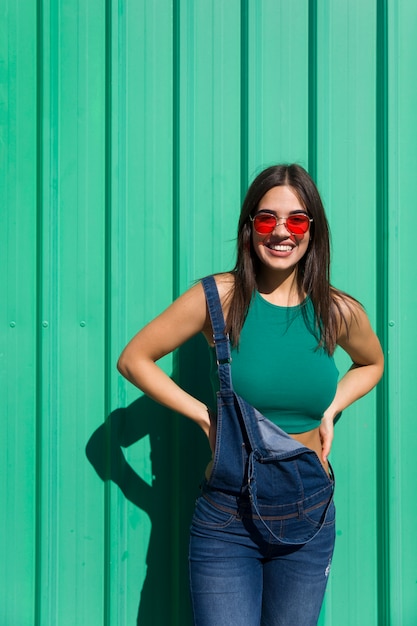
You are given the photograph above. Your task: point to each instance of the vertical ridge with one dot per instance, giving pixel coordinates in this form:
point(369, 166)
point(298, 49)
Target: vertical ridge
point(39, 289)
point(244, 95)
point(107, 298)
point(175, 146)
point(312, 88)
point(176, 288)
point(383, 534)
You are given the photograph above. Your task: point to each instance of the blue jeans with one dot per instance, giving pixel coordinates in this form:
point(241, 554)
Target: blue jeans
point(262, 534)
point(238, 578)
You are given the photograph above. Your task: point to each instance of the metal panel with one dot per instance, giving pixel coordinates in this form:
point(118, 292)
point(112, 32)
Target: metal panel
point(277, 83)
point(129, 131)
point(18, 342)
point(401, 307)
point(139, 284)
point(71, 301)
point(345, 171)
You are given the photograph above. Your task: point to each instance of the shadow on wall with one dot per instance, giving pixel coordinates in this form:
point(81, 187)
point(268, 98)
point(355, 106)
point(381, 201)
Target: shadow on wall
point(179, 453)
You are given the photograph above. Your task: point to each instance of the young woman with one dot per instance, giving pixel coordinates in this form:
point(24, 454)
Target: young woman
point(262, 535)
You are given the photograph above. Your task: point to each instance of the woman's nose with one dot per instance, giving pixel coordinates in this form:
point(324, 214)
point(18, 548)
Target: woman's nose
point(281, 225)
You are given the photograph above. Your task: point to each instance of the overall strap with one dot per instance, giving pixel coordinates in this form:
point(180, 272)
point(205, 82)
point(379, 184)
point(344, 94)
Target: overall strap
point(220, 338)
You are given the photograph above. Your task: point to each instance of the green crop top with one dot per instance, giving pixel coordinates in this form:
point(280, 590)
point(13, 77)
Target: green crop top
point(278, 368)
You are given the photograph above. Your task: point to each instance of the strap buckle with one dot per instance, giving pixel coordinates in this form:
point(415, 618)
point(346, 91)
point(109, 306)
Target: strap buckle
point(224, 361)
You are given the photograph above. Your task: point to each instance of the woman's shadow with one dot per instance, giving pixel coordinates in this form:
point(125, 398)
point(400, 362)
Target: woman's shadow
point(179, 453)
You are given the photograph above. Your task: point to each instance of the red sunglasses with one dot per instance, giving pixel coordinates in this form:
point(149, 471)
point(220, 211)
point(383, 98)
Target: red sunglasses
point(297, 224)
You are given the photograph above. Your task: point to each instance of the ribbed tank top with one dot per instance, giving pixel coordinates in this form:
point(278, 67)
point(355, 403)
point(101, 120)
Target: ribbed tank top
point(278, 369)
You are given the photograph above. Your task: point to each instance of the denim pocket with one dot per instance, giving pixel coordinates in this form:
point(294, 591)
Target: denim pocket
point(315, 514)
point(304, 528)
point(208, 515)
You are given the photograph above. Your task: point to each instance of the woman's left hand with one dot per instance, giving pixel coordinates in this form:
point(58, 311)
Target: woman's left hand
point(326, 431)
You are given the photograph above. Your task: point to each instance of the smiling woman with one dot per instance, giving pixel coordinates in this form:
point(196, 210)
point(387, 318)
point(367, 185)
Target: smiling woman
point(289, 238)
point(263, 531)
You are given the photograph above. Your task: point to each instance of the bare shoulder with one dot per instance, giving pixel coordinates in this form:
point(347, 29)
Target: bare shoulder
point(186, 317)
point(225, 284)
point(193, 300)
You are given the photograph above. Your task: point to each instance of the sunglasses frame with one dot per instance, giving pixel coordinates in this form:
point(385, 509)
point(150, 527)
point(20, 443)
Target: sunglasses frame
point(280, 219)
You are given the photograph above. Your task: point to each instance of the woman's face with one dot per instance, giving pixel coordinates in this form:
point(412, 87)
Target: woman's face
point(281, 249)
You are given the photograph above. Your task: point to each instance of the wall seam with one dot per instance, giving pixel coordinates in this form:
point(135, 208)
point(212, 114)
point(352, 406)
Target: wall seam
point(39, 290)
point(176, 283)
point(175, 146)
point(108, 39)
point(382, 218)
point(312, 88)
point(244, 97)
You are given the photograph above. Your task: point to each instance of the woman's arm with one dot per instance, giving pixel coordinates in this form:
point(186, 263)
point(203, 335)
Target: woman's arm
point(186, 317)
point(362, 345)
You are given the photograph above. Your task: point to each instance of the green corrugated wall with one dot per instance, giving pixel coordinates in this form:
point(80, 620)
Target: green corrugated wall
point(128, 132)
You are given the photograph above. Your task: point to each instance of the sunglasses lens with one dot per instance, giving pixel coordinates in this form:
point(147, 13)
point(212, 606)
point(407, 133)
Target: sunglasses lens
point(264, 224)
point(298, 224)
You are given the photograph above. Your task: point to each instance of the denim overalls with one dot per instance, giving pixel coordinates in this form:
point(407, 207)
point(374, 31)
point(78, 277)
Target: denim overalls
point(267, 505)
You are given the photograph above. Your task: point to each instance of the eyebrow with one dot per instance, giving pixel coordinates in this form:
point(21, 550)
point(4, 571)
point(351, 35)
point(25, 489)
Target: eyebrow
point(295, 212)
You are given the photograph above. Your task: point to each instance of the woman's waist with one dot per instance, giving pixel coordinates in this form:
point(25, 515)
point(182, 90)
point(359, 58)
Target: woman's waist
point(292, 421)
point(241, 505)
point(311, 439)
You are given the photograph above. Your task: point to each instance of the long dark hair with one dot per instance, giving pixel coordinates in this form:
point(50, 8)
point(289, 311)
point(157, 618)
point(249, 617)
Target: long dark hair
point(313, 270)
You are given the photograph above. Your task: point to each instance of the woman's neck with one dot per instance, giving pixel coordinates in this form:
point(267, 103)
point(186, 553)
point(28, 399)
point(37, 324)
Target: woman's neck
point(279, 288)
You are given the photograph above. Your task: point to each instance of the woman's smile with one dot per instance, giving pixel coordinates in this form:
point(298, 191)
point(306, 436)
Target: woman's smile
point(282, 250)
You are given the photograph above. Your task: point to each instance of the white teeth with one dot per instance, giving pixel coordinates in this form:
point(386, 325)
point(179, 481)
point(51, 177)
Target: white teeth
point(279, 248)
